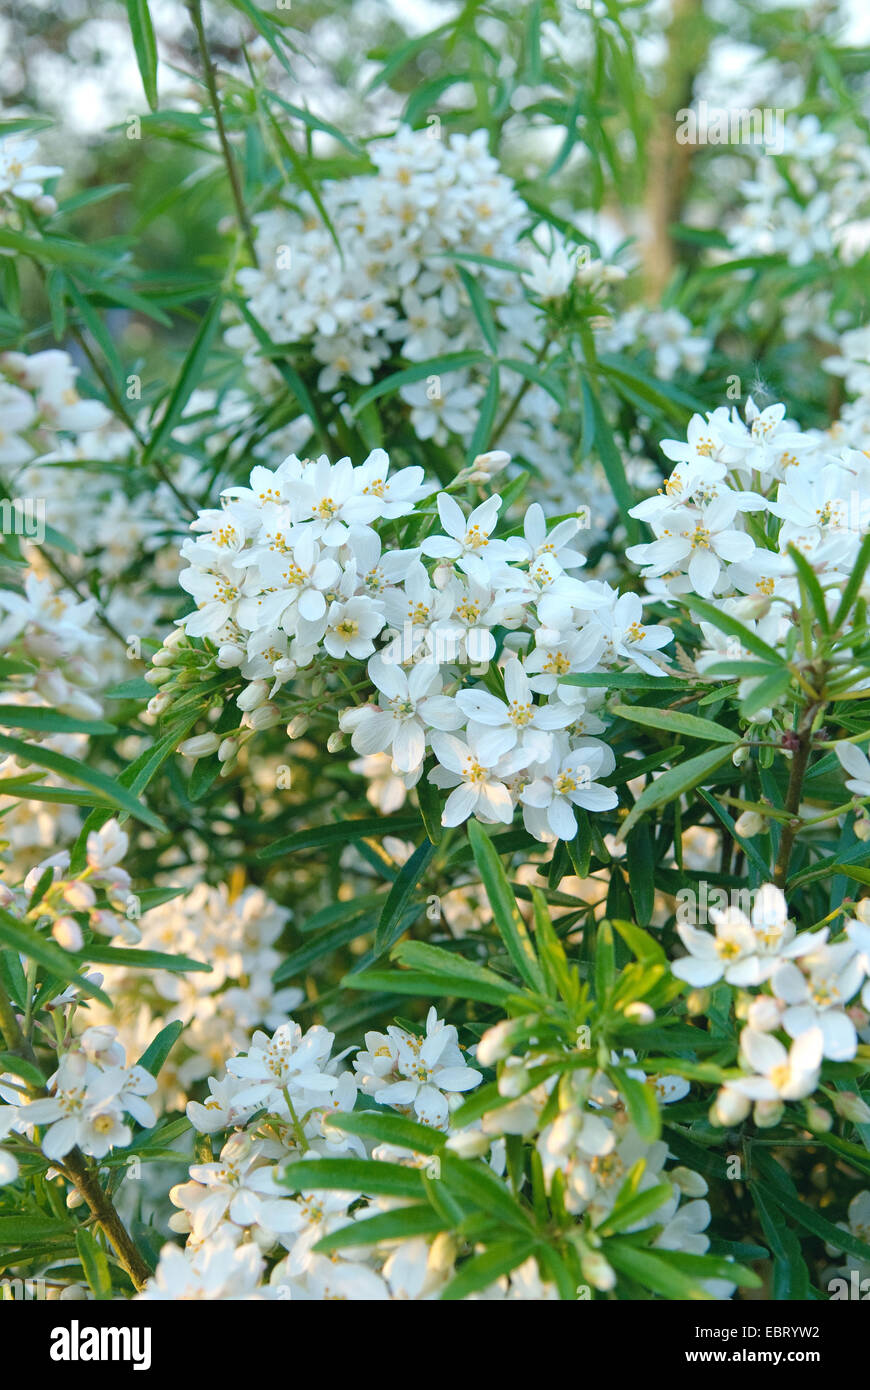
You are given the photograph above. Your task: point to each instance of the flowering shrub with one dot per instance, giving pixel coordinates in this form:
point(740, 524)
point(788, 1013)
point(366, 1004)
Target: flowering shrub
point(433, 767)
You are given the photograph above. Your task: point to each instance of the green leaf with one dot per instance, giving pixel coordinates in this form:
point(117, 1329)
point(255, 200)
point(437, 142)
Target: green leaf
point(392, 1225)
point(94, 1264)
point(434, 366)
point(188, 379)
point(690, 725)
point(135, 959)
point(366, 1175)
point(507, 916)
point(145, 46)
point(156, 1052)
point(784, 1195)
point(82, 774)
point(476, 1183)
point(387, 1128)
point(653, 1270)
point(725, 623)
point(391, 920)
point(50, 721)
point(682, 778)
point(60, 965)
point(480, 308)
point(643, 1106)
point(318, 836)
point(451, 968)
point(18, 1066)
point(482, 1270)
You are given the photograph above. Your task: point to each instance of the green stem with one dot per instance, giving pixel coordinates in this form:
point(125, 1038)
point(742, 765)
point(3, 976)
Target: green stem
point(195, 8)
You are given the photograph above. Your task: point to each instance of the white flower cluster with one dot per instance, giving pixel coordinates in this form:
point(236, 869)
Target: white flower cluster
point(807, 201)
point(235, 936)
point(432, 206)
point(803, 986)
point(99, 897)
point(88, 1097)
point(593, 1145)
point(277, 1098)
point(740, 493)
point(291, 570)
point(674, 343)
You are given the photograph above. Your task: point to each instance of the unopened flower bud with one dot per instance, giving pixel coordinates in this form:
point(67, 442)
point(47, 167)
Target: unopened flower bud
point(697, 1001)
point(862, 828)
point(227, 750)
point(200, 745)
point(640, 1012)
point(253, 695)
point(68, 934)
point(729, 1107)
point(763, 1014)
point(768, 1113)
point(158, 675)
point(469, 1143)
point(597, 1270)
point(751, 607)
point(230, 655)
point(80, 896)
point(45, 205)
point(850, 1106)
point(335, 742)
point(175, 639)
point(159, 702)
point(512, 1081)
point(163, 657)
point(496, 1042)
point(264, 716)
point(750, 823)
point(819, 1120)
point(739, 756)
point(298, 726)
point(285, 667)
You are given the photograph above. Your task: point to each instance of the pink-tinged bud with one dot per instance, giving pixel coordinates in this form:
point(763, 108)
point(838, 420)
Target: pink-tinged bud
point(80, 896)
point(850, 1106)
point(819, 1120)
point(68, 934)
point(159, 702)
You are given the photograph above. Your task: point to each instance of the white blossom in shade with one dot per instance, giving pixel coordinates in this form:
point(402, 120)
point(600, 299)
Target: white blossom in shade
point(779, 1074)
point(8, 1161)
point(815, 995)
point(479, 780)
point(857, 765)
point(410, 704)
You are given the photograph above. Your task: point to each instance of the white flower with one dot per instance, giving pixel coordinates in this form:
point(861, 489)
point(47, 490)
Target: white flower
point(566, 781)
point(497, 727)
point(478, 778)
point(779, 1074)
point(422, 1070)
point(815, 997)
point(468, 541)
point(410, 705)
point(744, 951)
point(857, 764)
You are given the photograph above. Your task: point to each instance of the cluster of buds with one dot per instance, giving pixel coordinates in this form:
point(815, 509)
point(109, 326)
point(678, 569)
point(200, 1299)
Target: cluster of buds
point(99, 897)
